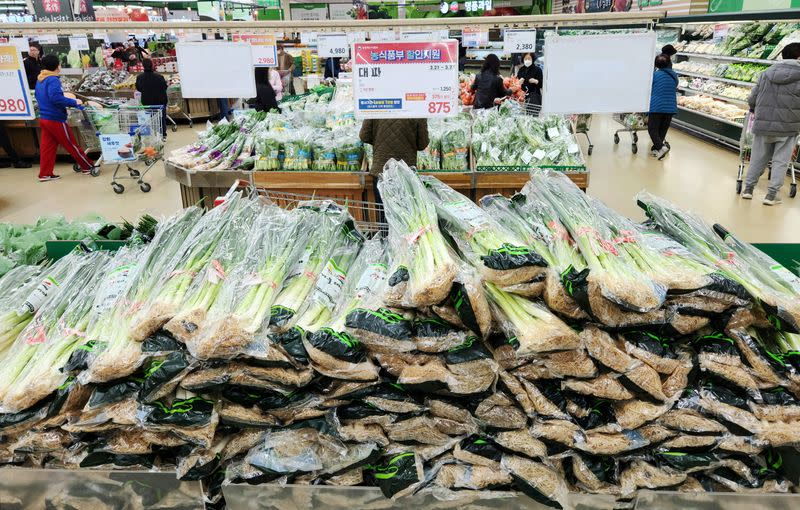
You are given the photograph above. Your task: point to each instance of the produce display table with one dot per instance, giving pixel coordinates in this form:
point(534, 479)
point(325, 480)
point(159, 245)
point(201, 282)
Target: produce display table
point(25, 136)
point(344, 187)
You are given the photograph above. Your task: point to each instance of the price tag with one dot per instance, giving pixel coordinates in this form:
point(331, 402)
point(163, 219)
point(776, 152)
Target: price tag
point(405, 79)
point(474, 37)
point(100, 35)
point(15, 99)
point(418, 36)
point(333, 45)
point(262, 48)
point(484, 147)
point(79, 42)
point(519, 41)
point(553, 133)
point(494, 152)
point(308, 38)
point(538, 154)
point(552, 155)
point(47, 39)
point(354, 37)
point(526, 157)
point(382, 35)
point(720, 33)
point(117, 147)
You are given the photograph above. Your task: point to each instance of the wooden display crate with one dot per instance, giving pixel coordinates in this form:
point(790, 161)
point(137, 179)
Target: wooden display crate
point(508, 183)
point(201, 108)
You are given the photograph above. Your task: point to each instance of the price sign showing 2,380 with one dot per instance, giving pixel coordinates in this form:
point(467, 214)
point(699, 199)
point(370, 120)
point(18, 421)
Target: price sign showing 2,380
point(519, 41)
point(15, 99)
point(405, 79)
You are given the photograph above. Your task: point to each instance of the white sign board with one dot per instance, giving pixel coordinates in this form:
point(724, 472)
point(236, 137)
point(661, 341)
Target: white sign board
point(117, 148)
point(519, 41)
point(308, 38)
point(419, 36)
point(47, 39)
point(614, 77)
point(262, 46)
point(332, 45)
point(21, 43)
point(79, 42)
point(405, 79)
point(382, 35)
point(230, 76)
point(15, 97)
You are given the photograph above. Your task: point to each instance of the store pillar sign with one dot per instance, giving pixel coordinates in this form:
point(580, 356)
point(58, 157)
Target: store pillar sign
point(332, 45)
point(263, 48)
point(117, 148)
point(79, 42)
point(15, 99)
point(519, 41)
point(405, 79)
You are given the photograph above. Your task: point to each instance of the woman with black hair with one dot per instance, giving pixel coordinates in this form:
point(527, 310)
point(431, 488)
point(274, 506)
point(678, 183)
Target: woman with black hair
point(488, 84)
point(532, 78)
point(265, 95)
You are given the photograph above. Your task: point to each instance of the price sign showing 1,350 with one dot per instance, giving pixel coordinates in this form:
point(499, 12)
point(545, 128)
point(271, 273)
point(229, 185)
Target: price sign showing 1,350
point(519, 41)
point(15, 100)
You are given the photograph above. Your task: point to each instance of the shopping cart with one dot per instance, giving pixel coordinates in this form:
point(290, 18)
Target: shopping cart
point(580, 124)
point(175, 107)
point(126, 136)
point(86, 134)
point(632, 123)
point(745, 149)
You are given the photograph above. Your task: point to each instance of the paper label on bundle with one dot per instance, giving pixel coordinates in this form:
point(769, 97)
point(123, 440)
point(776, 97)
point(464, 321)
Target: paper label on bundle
point(538, 154)
point(466, 212)
point(785, 274)
point(330, 283)
point(572, 148)
point(300, 265)
point(552, 155)
point(112, 289)
point(665, 245)
point(370, 279)
point(526, 157)
point(484, 147)
point(38, 296)
point(494, 153)
point(553, 133)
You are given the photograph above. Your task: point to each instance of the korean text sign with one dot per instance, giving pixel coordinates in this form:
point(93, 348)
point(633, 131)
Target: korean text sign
point(263, 48)
point(117, 148)
point(405, 79)
point(15, 99)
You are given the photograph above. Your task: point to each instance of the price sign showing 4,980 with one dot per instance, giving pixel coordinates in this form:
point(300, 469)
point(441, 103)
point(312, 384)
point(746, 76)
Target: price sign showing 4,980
point(15, 100)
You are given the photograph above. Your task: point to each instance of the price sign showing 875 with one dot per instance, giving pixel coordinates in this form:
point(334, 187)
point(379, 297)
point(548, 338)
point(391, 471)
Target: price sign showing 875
point(15, 101)
point(519, 41)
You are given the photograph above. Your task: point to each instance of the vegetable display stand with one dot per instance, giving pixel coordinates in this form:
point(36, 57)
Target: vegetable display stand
point(343, 187)
point(89, 488)
point(703, 125)
point(202, 188)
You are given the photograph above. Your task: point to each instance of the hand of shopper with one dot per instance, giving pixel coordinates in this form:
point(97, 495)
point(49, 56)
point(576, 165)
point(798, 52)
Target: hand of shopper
point(499, 100)
point(78, 101)
point(533, 80)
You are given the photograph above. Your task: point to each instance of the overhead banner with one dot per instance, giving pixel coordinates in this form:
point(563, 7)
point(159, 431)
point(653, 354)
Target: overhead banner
point(63, 10)
point(263, 48)
point(405, 79)
point(15, 98)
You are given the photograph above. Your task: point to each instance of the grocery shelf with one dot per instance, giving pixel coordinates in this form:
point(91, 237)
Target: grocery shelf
point(726, 58)
point(712, 117)
point(715, 96)
point(724, 80)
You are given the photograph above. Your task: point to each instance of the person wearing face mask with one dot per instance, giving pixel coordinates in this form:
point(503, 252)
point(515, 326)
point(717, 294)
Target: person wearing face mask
point(532, 78)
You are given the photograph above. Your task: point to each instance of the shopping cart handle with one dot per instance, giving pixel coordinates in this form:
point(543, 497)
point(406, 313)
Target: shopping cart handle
point(721, 231)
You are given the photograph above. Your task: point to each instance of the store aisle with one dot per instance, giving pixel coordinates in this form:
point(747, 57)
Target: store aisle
point(696, 175)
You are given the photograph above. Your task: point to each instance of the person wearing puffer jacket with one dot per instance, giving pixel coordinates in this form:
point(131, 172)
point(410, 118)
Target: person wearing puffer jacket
point(663, 105)
point(775, 106)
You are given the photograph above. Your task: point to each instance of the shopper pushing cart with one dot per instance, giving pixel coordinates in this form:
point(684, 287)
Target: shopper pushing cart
point(775, 103)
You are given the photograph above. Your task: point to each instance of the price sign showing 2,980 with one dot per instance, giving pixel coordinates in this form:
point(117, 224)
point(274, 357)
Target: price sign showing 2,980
point(15, 99)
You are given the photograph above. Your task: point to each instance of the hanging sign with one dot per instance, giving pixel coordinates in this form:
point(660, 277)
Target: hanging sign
point(332, 45)
point(519, 41)
point(15, 99)
point(382, 35)
point(472, 37)
point(405, 79)
point(263, 48)
point(47, 39)
point(79, 42)
point(418, 36)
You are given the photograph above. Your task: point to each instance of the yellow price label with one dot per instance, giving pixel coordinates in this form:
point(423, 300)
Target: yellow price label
point(9, 58)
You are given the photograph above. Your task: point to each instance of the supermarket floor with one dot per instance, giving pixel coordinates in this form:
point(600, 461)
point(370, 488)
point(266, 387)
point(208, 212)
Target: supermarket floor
point(696, 175)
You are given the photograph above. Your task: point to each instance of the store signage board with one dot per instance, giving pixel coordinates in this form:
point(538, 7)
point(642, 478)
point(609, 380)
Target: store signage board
point(472, 37)
point(15, 98)
point(117, 148)
point(405, 79)
point(308, 38)
point(265, 54)
point(519, 41)
point(333, 45)
point(79, 42)
point(47, 39)
point(230, 76)
point(616, 76)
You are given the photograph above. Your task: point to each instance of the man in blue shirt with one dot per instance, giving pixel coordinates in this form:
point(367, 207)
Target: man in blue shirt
point(663, 105)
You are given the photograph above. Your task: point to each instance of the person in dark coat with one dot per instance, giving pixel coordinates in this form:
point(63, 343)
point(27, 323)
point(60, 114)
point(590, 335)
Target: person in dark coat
point(265, 99)
point(333, 67)
point(488, 84)
point(663, 105)
point(532, 79)
point(153, 88)
point(32, 64)
point(670, 51)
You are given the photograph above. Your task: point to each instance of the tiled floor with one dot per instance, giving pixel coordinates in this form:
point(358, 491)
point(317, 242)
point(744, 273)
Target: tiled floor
point(696, 175)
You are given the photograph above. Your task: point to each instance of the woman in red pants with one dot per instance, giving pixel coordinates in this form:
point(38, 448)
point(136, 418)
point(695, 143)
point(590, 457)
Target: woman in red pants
point(53, 121)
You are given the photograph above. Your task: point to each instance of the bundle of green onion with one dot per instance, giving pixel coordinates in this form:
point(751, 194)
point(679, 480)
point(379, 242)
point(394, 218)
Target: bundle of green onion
point(15, 286)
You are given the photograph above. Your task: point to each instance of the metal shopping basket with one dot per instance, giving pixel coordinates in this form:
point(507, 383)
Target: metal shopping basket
point(84, 130)
point(175, 107)
point(126, 136)
point(581, 123)
point(631, 122)
point(745, 149)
